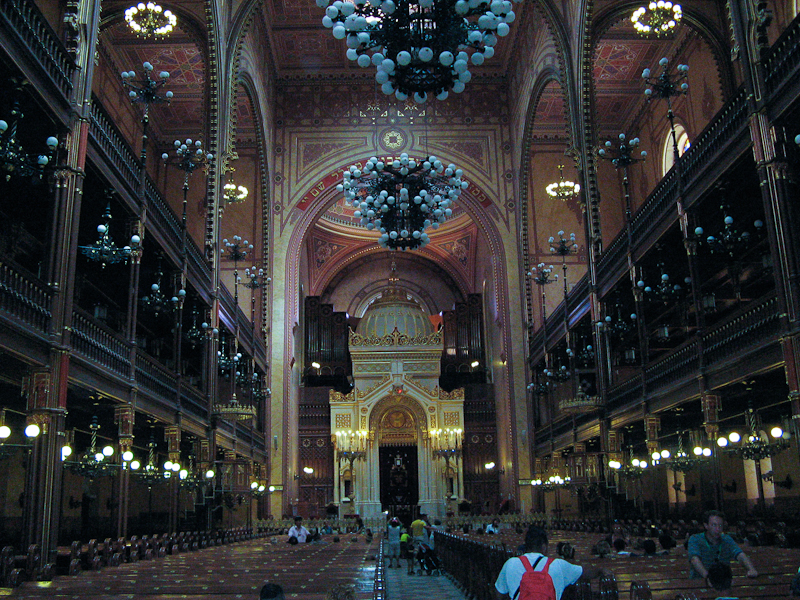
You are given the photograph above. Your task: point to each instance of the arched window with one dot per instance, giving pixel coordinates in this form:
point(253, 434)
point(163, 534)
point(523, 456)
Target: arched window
point(683, 146)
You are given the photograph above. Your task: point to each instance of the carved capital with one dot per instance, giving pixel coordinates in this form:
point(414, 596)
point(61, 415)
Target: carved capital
point(172, 435)
point(124, 417)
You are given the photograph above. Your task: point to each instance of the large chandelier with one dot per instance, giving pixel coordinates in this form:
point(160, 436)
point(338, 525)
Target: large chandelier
point(150, 19)
point(401, 198)
point(419, 47)
point(657, 18)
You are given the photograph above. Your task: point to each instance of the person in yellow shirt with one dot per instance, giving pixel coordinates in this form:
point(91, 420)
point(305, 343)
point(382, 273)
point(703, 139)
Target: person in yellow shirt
point(418, 530)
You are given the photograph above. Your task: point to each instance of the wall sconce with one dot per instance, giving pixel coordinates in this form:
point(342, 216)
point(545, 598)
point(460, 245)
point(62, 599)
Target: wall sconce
point(308, 470)
point(474, 364)
point(316, 365)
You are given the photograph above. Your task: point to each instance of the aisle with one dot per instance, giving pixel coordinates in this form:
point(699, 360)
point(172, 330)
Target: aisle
point(400, 586)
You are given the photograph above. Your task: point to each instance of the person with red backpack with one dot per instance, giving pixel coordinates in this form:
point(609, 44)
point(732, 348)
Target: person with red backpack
point(533, 576)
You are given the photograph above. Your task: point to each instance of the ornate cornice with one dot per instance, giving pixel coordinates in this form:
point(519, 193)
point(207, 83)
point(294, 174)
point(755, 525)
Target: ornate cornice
point(395, 339)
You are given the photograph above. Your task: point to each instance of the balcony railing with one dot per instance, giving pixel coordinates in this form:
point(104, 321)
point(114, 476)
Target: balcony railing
point(25, 298)
point(681, 365)
point(782, 62)
point(194, 402)
point(729, 125)
point(756, 326)
point(161, 211)
point(113, 147)
point(155, 378)
point(624, 394)
point(99, 345)
point(23, 18)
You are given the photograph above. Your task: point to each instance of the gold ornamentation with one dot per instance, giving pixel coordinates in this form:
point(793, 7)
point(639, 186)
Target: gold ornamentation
point(395, 339)
point(393, 140)
point(456, 394)
point(343, 422)
point(580, 404)
point(335, 396)
point(451, 418)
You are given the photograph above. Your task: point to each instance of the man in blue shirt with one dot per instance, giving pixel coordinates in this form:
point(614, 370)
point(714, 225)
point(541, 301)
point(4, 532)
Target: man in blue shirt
point(713, 546)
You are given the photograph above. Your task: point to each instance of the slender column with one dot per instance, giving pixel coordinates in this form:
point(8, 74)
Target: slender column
point(46, 408)
point(124, 418)
point(172, 435)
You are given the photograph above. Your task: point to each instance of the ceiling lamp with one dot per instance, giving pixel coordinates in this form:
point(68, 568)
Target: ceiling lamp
point(419, 47)
point(756, 445)
point(657, 18)
point(14, 160)
point(401, 198)
point(234, 194)
point(104, 250)
point(561, 189)
point(150, 19)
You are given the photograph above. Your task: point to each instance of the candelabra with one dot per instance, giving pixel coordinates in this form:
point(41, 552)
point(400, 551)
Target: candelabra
point(350, 447)
point(227, 361)
point(665, 291)
point(93, 462)
point(156, 301)
point(150, 475)
point(755, 446)
point(13, 158)
point(191, 478)
point(237, 250)
point(562, 189)
point(191, 157)
point(666, 87)
point(730, 244)
point(446, 443)
point(634, 469)
point(682, 461)
point(196, 335)
point(617, 328)
point(146, 91)
point(104, 250)
point(585, 358)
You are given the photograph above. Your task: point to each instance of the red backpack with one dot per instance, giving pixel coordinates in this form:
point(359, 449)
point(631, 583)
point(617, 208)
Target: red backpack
point(535, 585)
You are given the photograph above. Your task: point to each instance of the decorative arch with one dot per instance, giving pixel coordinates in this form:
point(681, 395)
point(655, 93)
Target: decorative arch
point(312, 212)
point(692, 19)
point(385, 420)
point(419, 291)
point(547, 76)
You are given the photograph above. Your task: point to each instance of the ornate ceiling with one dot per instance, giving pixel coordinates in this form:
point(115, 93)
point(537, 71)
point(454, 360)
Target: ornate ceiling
point(302, 49)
